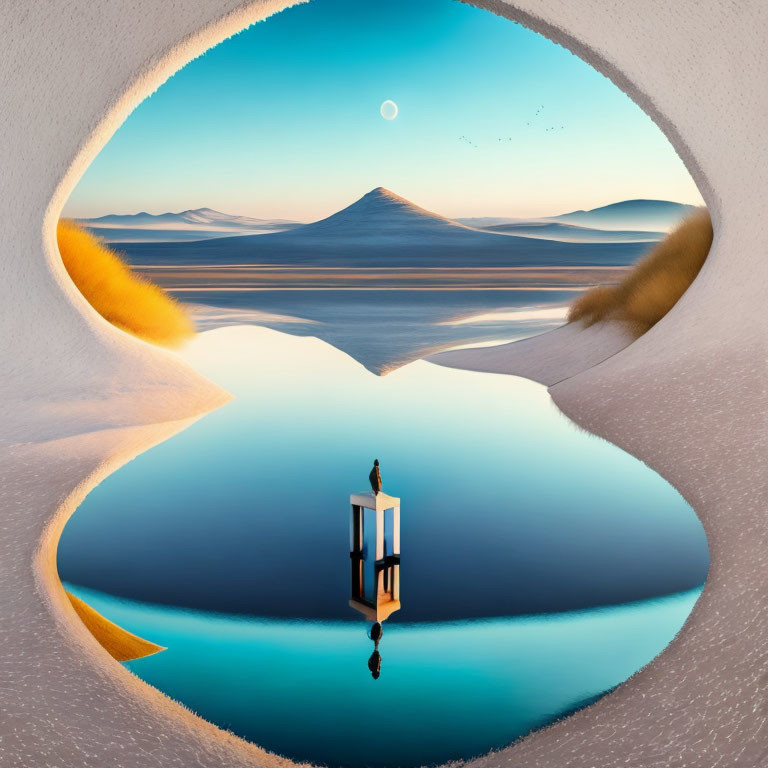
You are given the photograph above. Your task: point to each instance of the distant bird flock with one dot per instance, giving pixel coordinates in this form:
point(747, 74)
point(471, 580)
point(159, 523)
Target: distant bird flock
point(506, 139)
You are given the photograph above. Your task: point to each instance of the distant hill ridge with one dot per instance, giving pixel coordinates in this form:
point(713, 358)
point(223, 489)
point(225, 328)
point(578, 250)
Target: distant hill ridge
point(383, 213)
point(639, 204)
point(640, 214)
point(549, 229)
point(192, 224)
point(196, 217)
point(383, 229)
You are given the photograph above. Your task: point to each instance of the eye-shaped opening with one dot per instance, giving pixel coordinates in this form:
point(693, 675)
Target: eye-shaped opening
point(343, 186)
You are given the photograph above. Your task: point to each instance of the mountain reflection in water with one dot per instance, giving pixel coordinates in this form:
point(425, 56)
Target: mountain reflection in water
point(385, 329)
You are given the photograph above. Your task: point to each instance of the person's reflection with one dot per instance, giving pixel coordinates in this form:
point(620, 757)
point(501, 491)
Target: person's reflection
point(384, 579)
point(374, 662)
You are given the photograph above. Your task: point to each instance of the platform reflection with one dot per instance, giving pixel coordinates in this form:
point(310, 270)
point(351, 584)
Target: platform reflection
point(374, 554)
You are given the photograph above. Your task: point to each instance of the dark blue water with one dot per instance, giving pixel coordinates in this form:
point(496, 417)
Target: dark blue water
point(507, 507)
point(510, 517)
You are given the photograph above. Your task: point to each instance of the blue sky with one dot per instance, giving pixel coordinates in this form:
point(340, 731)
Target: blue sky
point(283, 121)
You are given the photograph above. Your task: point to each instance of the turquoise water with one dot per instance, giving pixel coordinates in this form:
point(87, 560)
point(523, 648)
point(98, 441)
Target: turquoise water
point(541, 566)
point(446, 691)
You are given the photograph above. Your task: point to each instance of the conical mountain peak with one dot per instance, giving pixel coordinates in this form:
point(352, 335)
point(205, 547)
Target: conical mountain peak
point(381, 213)
point(387, 196)
point(384, 193)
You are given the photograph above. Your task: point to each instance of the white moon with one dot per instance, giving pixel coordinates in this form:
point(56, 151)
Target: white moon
point(389, 110)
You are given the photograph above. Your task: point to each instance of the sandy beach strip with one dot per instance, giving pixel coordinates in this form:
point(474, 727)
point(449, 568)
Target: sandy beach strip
point(245, 277)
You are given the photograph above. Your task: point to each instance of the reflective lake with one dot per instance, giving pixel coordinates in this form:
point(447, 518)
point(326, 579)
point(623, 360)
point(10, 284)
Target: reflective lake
point(516, 528)
point(386, 328)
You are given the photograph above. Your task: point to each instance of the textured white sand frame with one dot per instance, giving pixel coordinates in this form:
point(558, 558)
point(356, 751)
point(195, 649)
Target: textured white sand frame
point(689, 397)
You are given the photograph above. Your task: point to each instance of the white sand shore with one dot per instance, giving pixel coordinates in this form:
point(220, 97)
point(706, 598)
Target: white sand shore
point(689, 397)
point(671, 413)
point(65, 701)
point(548, 358)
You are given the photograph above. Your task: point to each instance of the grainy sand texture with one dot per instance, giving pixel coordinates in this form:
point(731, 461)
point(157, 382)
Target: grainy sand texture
point(689, 397)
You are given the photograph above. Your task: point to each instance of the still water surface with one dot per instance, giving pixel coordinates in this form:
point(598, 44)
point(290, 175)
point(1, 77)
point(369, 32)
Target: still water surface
point(446, 691)
point(516, 528)
point(386, 328)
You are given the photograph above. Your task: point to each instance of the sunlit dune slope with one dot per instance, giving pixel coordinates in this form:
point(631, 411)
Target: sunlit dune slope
point(128, 301)
point(655, 284)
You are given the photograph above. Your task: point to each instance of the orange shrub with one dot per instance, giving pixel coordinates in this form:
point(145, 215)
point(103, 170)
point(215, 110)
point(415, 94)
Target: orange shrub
point(128, 301)
point(656, 282)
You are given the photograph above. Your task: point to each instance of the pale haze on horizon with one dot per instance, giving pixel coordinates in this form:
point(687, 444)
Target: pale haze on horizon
point(285, 121)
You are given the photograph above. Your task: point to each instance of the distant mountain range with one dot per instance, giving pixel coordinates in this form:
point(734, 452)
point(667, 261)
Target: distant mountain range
point(385, 230)
point(627, 221)
point(197, 224)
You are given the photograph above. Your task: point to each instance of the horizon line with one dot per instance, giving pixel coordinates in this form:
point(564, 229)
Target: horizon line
point(455, 217)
